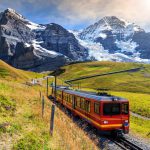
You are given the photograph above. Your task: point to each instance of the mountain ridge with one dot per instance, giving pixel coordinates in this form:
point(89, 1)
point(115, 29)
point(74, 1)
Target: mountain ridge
point(117, 38)
point(42, 47)
point(27, 45)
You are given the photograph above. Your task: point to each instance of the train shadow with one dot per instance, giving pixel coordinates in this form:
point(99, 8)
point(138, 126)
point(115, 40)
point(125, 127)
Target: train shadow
point(100, 138)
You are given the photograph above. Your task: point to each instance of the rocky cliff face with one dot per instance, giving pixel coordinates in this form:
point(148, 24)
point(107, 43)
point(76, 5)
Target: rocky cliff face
point(32, 46)
point(12, 31)
point(56, 38)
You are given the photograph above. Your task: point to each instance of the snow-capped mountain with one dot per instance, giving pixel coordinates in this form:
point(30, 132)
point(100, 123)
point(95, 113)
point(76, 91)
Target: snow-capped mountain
point(28, 45)
point(115, 39)
point(42, 47)
point(110, 24)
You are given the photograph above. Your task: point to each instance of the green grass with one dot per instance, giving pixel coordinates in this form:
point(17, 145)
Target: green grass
point(9, 73)
point(130, 82)
point(7, 104)
point(20, 116)
point(32, 142)
point(140, 127)
point(133, 86)
point(139, 103)
point(3, 72)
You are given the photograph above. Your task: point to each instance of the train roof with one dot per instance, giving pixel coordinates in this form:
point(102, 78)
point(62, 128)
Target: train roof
point(90, 95)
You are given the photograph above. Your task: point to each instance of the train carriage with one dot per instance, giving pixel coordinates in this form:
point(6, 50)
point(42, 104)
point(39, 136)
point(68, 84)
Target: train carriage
point(106, 113)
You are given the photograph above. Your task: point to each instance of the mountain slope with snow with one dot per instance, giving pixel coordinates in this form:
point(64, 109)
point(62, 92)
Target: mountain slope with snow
point(28, 45)
point(115, 39)
point(42, 47)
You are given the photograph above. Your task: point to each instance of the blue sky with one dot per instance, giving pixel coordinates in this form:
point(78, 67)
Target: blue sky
point(78, 14)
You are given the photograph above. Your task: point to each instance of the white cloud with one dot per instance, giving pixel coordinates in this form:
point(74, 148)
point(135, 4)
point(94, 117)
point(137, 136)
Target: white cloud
point(77, 12)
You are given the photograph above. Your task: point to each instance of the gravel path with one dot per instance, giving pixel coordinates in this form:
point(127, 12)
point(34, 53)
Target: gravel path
point(145, 145)
point(139, 116)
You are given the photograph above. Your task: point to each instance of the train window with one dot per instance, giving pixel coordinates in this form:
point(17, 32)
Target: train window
point(82, 103)
point(97, 108)
point(111, 109)
point(65, 96)
point(78, 103)
point(125, 108)
point(70, 98)
point(59, 94)
point(87, 106)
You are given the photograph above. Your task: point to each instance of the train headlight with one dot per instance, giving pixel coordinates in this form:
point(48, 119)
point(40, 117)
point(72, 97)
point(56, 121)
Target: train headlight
point(105, 122)
point(126, 123)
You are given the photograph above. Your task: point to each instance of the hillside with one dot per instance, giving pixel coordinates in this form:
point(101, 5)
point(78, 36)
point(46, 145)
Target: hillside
point(133, 86)
point(8, 72)
point(130, 82)
point(21, 124)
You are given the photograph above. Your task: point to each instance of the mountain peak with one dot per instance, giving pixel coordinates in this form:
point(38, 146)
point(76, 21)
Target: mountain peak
point(111, 17)
point(13, 12)
point(110, 25)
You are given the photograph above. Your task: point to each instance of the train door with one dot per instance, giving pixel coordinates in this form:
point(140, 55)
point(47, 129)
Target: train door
point(73, 102)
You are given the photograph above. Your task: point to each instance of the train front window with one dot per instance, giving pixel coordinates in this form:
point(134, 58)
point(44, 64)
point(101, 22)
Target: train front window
point(111, 109)
point(125, 108)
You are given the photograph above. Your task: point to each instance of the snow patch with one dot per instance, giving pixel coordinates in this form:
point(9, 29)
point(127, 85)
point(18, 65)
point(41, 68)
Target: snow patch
point(75, 32)
point(103, 35)
point(34, 26)
point(42, 51)
point(125, 21)
point(27, 45)
point(127, 46)
point(11, 10)
point(136, 29)
point(97, 51)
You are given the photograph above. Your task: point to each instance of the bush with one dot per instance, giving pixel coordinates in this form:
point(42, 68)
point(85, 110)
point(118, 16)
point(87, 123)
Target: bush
point(29, 142)
point(32, 142)
point(7, 104)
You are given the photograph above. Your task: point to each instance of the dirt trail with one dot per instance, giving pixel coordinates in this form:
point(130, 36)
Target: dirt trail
point(139, 116)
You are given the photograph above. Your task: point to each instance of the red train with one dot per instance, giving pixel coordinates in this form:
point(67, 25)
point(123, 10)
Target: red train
point(106, 113)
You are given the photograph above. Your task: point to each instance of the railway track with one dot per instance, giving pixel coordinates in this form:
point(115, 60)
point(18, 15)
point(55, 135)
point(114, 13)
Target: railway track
point(121, 142)
point(126, 144)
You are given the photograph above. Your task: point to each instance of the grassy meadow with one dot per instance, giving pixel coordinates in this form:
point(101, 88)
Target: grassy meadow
point(21, 124)
point(137, 82)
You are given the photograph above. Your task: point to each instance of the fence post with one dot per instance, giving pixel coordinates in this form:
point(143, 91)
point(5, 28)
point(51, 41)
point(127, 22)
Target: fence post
point(47, 86)
point(42, 106)
point(40, 94)
point(52, 120)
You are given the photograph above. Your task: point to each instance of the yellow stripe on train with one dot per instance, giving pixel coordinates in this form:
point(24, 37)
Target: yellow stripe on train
point(101, 126)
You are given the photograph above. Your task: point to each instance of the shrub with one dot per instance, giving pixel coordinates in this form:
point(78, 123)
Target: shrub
point(29, 142)
point(7, 104)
